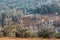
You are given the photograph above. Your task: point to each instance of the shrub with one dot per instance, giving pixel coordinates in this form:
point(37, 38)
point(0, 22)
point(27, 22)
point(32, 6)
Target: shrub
point(9, 31)
point(46, 31)
point(1, 33)
point(23, 32)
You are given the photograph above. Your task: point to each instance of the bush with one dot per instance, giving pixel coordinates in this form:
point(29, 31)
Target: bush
point(23, 32)
point(46, 31)
point(1, 34)
point(9, 31)
point(43, 34)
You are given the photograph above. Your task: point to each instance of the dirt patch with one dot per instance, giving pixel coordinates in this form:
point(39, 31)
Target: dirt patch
point(9, 38)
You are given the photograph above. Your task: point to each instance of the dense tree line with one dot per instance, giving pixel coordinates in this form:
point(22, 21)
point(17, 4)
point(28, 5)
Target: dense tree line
point(45, 9)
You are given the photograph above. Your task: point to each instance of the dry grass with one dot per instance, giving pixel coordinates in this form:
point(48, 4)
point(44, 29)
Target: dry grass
point(6, 38)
